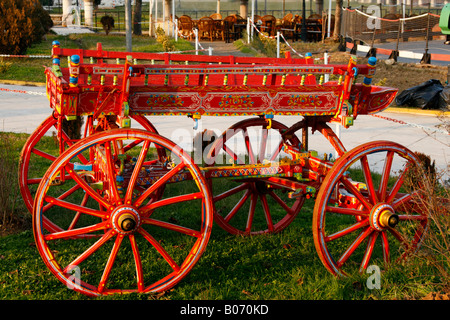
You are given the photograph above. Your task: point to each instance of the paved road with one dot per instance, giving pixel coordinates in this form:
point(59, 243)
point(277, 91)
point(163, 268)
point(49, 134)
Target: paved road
point(24, 112)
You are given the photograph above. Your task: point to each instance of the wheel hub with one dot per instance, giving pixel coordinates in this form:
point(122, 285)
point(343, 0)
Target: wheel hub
point(125, 219)
point(383, 216)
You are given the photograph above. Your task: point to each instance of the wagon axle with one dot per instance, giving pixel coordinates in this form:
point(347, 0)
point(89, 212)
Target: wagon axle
point(125, 219)
point(383, 216)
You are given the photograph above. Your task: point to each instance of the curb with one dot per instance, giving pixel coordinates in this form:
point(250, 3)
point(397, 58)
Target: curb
point(417, 111)
point(23, 83)
point(401, 53)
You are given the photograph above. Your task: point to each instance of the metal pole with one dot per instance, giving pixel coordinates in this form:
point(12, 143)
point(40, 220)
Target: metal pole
point(426, 59)
point(329, 19)
point(128, 25)
point(196, 41)
point(248, 29)
point(252, 17)
point(303, 31)
point(278, 44)
point(173, 18)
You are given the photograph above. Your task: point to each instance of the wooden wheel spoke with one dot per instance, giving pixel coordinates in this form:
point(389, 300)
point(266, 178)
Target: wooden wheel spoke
point(137, 262)
point(75, 207)
point(176, 199)
point(266, 212)
point(230, 192)
point(86, 254)
point(369, 180)
point(171, 226)
point(235, 157)
point(397, 235)
point(398, 184)
point(110, 263)
point(277, 151)
point(281, 202)
point(83, 184)
point(160, 249)
point(43, 154)
point(347, 211)
point(346, 231)
point(238, 206)
point(385, 175)
point(263, 145)
point(352, 189)
point(403, 200)
point(61, 197)
point(369, 250)
point(251, 212)
point(159, 183)
point(136, 171)
point(77, 232)
point(111, 172)
point(385, 247)
point(131, 145)
point(363, 235)
point(249, 146)
point(78, 213)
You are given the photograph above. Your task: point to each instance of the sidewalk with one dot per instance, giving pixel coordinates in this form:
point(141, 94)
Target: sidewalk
point(221, 48)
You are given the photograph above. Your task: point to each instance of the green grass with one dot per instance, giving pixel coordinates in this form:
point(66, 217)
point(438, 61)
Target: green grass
point(32, 70)
point(283, 266)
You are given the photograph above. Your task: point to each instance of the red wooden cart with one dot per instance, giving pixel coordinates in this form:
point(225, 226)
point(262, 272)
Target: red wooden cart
point(123, 197)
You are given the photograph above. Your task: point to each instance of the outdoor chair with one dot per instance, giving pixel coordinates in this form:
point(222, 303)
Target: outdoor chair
point(268, 24)
point(185, 27)
point(216, 16)
point(205, 28)
point(287, 26)
point(228, 29)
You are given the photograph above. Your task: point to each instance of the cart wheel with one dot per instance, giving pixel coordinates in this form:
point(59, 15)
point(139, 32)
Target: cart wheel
point(128, 236)
point(254, 205)
point(41, 154)
point(366, 212)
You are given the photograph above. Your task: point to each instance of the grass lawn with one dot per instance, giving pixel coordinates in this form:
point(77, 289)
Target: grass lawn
point(283, 266)
point(24, 69)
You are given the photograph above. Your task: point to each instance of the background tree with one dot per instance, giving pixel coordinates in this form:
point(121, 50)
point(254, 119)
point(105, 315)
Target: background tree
point(137, 18)
point(337, 21)
point(22, 23)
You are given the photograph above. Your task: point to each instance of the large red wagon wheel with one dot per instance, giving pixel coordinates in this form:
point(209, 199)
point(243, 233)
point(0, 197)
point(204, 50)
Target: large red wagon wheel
point(253, 205)
point(366, 211)
point(128, 237)
point(37, 154)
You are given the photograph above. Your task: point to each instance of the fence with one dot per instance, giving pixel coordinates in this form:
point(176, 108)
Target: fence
point(368, 27)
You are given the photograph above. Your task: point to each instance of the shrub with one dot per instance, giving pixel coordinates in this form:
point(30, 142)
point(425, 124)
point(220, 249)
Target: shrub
point(23, 23)
point(434, 203)
point(164, 40)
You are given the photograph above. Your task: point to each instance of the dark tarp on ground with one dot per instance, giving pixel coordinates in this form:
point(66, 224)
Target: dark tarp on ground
point(430, 94)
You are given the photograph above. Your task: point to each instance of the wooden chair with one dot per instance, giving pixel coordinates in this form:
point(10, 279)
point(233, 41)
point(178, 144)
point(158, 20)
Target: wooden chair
point(185, 26)
point(228, 28)
point(216, 16)
point(205, 28)
point(287, 25)
point(314, 27)
point(257, 19)
point(268, 24)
